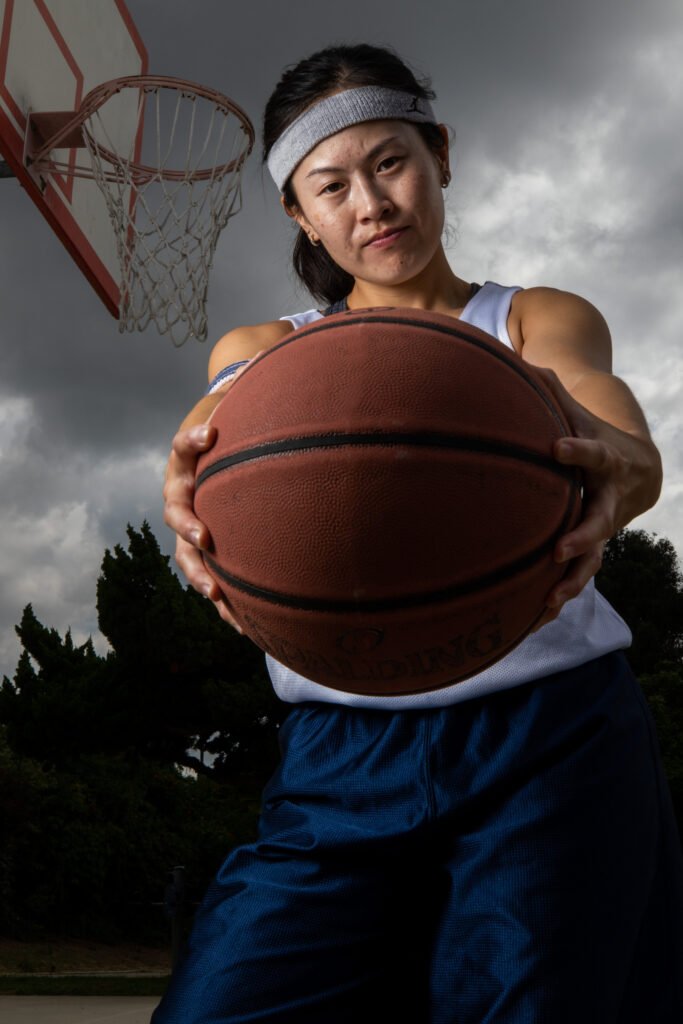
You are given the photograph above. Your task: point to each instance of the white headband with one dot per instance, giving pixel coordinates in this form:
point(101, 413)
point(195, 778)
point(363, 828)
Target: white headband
point(334, 113)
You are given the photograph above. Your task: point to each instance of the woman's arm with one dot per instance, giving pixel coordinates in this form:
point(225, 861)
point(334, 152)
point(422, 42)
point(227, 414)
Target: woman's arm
point(622, 471)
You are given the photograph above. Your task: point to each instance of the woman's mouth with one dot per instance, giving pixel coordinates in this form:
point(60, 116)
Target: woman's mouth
point(385, 238)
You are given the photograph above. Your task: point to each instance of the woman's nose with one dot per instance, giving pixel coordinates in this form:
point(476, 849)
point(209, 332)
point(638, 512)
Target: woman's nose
point(373, 201)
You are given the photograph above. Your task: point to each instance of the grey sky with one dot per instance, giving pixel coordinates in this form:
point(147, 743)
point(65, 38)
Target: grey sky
point(567, 172)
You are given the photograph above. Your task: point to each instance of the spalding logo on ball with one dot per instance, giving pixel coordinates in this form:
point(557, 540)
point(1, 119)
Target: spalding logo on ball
point(383, 500)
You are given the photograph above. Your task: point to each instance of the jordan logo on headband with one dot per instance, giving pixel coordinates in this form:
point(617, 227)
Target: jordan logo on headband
point(414, 108)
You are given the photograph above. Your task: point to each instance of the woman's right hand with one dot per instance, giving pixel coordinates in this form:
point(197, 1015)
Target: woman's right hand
point(195, 436)
point(192, 536)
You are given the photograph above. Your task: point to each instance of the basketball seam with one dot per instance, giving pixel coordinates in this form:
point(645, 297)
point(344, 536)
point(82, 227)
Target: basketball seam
point(504, 356)
point(405, 601)
point(428, 439)
point(321, 604)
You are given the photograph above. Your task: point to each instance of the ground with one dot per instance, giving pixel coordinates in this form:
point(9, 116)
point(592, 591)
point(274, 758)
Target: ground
point(61, 956)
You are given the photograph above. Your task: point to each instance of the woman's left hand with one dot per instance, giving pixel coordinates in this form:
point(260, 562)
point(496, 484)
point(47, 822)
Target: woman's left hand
point(621, 478)
point(568, 342)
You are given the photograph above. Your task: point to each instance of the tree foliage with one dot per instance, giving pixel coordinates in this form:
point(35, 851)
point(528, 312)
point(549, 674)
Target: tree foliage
point(177, 682)
point(641, 577)
point(185, 680)
point(57, 702)
point(85, 850)
point(96, 798)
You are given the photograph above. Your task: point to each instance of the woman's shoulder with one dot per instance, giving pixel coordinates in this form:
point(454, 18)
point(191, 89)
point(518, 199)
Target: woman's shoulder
point(542, 299)
point(243, 343)
point(553, 320)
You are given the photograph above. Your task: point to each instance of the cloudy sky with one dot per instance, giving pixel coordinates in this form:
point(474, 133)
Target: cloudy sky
point(567, 173)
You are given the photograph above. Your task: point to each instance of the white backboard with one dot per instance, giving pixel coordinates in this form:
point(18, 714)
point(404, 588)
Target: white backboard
point(52, 53)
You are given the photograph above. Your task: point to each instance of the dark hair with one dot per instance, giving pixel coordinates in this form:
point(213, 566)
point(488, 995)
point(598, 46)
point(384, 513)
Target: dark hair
point(305, 83)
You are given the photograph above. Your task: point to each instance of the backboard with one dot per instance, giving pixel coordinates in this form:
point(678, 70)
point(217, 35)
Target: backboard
point(52, 53)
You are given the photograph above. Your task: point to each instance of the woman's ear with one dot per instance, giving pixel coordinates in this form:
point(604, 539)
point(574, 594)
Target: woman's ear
point(442, 153)
point(444, 148)
point(296, 214)
point(289, 210)
point(445, 136)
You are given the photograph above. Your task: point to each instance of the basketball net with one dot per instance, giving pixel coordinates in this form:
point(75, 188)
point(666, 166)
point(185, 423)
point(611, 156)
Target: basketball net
point(168, 211)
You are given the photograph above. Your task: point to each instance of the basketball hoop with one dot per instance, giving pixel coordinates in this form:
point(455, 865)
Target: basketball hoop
point(169, 190)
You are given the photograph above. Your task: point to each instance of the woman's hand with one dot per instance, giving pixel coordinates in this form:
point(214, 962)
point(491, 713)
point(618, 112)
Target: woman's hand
point(621, 474)
point(194, 437)
point(568, 342)
point(192, 535)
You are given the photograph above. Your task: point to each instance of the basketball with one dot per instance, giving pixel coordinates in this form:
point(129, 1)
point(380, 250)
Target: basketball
point(383, 500)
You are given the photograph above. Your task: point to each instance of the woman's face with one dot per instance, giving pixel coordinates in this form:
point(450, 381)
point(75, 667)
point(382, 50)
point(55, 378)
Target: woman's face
point(372, 195)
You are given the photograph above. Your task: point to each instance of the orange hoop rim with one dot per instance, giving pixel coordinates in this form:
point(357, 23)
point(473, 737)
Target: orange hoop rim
point(139, 172)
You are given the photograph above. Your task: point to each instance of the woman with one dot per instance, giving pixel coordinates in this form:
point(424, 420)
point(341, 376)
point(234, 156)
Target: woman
point(501, 850)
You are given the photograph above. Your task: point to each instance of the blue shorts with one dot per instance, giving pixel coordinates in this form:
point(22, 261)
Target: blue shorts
point(513, 859)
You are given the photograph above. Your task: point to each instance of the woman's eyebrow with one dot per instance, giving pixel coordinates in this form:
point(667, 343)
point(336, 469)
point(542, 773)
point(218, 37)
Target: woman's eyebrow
point(368, 156)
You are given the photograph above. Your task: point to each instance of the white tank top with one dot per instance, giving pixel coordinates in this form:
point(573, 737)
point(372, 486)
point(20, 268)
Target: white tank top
point(586, 628)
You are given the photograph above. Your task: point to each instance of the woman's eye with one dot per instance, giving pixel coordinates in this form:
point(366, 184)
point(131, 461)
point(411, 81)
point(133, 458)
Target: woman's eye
point(332, 187)
point(388, 163)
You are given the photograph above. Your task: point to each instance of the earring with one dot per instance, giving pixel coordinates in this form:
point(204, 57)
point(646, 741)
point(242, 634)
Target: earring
point(445, 178)
point(314, 241)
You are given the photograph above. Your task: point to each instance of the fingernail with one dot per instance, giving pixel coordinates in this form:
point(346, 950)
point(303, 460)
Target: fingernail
point(195, 537)
point(202, 433)
point(206, 589)
point(564, 450)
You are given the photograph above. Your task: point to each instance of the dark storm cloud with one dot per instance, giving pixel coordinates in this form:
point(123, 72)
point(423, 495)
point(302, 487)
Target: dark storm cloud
point(567, 173)
point(92, 386)
point(497, 65)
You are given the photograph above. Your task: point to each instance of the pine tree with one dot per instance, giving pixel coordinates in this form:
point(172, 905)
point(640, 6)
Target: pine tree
point(187, 683)
point(56, 706)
